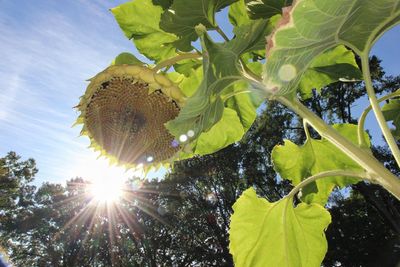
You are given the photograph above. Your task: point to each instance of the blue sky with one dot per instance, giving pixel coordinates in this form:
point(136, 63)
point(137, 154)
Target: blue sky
point(47, 51)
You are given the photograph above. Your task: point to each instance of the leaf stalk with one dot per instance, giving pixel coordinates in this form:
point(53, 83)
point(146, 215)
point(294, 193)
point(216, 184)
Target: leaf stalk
point(173, 60)
point(377, 110)
point(361, 138)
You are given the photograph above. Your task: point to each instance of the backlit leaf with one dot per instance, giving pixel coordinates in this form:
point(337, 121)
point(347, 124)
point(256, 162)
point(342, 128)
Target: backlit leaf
point(139, 21)
point(225, 132)
point(265, 8)
point(186, 66)
point(244, 103)
point(184, 15)
point(190, 83)
point(277, 234)
point(127, 58)
point(238, 14)
point(333, 65)
point(311, 27)
point(296, 163)
point(221, 69)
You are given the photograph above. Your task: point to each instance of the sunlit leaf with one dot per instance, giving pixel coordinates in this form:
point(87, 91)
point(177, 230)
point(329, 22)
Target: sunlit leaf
point(190, 83)
point(221, 69)
point(296, 163)
point(244, 103)
point(184, 15)
point(311, 27)
point(238, 14)
point(333, 65)
point(225, 132)
point(139, 21)
point(186, 66)
point(277, 234)
point(391, 111)
point(265, 9)
point(250, 37)
point(127, 58)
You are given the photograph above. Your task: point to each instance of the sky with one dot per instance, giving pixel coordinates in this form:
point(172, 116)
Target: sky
point(48, 50)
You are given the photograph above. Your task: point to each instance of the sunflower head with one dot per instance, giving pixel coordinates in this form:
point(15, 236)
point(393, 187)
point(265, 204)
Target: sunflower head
point(124, 110)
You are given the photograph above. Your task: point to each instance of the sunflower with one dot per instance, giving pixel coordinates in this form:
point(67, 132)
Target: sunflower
point(124, 110)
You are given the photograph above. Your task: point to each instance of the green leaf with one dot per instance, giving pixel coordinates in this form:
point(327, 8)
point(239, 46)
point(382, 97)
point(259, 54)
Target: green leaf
point(391, 111)
point(186, 66)
point(296, 163)
point(163, 3)
point(311, 27)
point(243, 26)
point(243, 102)
point(225, 132)
point(139, 21)
point(190, 84)
point(184, 15)
point(333, 65)
point(277, 234)
point(238, 14)
point(264, 9)
point(187, 84)
point(220, 70)
point(127, 58)
point(250, 37)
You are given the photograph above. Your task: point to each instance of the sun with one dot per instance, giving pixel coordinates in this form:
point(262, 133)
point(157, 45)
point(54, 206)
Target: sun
point(107, 183)
point(107, 190)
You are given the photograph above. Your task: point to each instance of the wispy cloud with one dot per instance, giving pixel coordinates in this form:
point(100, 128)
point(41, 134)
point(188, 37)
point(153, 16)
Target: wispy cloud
point(47, 54)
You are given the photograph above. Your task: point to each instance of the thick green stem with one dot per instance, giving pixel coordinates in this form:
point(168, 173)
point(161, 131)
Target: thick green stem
point(173, 60)
point(361, 138)
point(376, 170)
point(361, 175)
point(377, 110)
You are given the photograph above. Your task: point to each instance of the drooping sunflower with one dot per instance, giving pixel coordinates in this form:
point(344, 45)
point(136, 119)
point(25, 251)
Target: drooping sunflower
point(123, 112)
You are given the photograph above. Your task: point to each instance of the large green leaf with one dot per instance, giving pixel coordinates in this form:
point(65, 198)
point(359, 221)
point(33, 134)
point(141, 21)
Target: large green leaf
point(311, 27)
point(296, 163)
point(265, 8)
point(185, 67)
point(184, 15)
point(333, 65)
point(205, 107)
point(238, 14)
point(139, 21)
point(240, 20)
point(391, 111)
point(225, 132)
point(277, 234)
point(220, 70)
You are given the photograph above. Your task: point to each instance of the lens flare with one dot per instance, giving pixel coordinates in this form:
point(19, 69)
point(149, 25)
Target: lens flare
point(107, 190)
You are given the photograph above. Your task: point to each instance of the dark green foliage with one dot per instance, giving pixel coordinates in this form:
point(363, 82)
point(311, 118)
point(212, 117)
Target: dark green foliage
point(359, 236)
